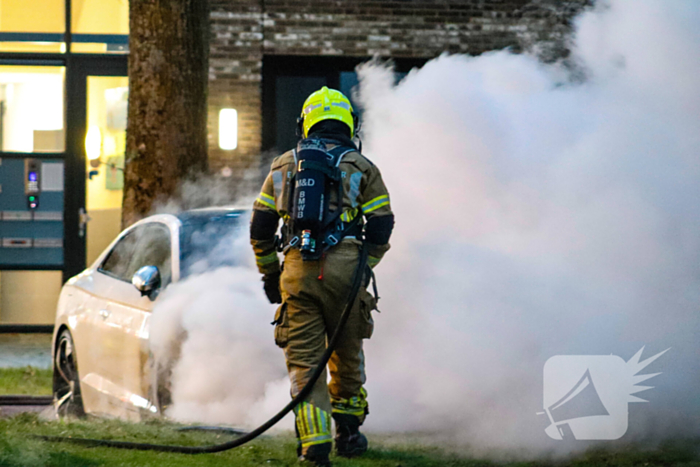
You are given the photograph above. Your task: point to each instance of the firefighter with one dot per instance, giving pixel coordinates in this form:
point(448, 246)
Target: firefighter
point(316, 277)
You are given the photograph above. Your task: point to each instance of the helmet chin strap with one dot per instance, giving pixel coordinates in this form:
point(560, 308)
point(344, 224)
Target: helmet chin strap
point(357, 124)
point(300, 127)
point(359, 144)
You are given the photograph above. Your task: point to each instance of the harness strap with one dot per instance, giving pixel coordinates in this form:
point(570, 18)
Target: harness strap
point(330, 172)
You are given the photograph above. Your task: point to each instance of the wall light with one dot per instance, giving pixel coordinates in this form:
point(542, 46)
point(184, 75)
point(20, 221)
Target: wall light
point(93, 144)
point(228, 129)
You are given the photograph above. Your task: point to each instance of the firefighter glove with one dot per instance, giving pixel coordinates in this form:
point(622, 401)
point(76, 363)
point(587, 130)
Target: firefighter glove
point(271, 285)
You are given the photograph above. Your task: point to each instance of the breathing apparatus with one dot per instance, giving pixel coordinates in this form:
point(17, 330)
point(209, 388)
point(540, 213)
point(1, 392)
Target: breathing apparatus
point(313, 226)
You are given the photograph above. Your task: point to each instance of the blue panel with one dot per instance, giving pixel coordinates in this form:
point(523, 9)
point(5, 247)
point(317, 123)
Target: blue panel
point(41, 229)
point(121, 39)
point(348, 80)
point(12, 181)
point(31, 257)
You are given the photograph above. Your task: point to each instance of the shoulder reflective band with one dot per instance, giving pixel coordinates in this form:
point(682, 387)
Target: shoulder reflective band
point(375, 204)
point(277, 182)
point(266, 200)
point(355, 180)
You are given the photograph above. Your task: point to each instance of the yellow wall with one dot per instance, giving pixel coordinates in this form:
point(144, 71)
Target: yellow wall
point(29, 297)
point(100, 16)
point(32, 16)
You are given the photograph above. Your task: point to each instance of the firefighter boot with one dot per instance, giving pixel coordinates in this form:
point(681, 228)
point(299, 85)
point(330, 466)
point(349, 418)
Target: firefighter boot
point(349, 442)
point(317, 455)
point(313, 430)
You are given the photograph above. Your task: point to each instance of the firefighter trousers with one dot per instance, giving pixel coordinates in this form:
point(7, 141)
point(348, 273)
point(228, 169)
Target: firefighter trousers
point(314, 294)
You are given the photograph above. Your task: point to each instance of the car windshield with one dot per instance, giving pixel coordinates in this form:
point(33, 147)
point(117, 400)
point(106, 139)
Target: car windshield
point(209, 241)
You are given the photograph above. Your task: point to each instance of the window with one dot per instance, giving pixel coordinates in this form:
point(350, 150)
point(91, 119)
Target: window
point(153, 249)
point(207, 243)
point(117, 262)
point(105, 142)
point(146, 245)
point(31, 108)
point(97, 26)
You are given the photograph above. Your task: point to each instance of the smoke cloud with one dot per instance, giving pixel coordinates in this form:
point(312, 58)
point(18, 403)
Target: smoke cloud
point(216, 326)
point(537, 215)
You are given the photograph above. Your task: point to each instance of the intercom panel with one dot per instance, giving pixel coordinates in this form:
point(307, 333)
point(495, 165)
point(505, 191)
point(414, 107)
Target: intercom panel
point(31, 212)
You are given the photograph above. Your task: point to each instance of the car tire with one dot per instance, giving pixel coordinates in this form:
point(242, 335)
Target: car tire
point(66, 382)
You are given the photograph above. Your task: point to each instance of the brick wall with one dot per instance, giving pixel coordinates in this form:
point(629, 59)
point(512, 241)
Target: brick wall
point(243, 31)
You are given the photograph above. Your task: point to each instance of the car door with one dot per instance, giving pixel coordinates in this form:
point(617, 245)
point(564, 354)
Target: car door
point(97, 341)
point(125, 315)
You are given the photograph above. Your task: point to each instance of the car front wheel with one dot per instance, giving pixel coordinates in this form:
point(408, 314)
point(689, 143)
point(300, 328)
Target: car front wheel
point(66, 383)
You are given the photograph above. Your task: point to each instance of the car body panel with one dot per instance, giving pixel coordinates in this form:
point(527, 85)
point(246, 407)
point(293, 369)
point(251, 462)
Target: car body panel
point(109, 321)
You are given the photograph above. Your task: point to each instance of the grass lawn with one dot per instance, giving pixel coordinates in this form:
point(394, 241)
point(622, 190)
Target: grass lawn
point(27, 380)
point(18, 449)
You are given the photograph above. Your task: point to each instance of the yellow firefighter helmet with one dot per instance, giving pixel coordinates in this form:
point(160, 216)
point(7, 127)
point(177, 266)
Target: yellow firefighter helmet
point(326, 104)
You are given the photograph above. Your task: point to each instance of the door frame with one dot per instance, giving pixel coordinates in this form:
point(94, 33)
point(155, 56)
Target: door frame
point(323, 66)
point(78, 68)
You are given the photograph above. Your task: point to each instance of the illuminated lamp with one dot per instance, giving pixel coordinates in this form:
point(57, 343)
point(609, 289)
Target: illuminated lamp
point(93, 145)
point(228, 129)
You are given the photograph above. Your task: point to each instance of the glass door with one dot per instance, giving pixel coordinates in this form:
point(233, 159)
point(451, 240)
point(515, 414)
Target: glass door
point(97, 88)
point(31, 191)
point(63, 68)
point(105, 143)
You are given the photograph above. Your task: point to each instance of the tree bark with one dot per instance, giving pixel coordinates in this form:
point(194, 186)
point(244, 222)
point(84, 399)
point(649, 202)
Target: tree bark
point(166, 136)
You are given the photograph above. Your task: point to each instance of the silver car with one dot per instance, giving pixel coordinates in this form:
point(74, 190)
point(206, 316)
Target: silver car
point(102, 364)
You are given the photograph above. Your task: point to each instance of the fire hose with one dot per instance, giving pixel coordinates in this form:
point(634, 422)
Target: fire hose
point(318, 371)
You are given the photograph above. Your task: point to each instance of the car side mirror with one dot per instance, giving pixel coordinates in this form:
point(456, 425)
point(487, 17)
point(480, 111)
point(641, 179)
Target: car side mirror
point(147, 281)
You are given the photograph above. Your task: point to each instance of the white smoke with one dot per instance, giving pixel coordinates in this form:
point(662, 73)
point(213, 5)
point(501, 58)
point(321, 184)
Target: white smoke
point(228, 369)
point(535, 216)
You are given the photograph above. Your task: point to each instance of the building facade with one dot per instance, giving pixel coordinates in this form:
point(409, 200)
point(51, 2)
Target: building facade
point(63, 94)
point(267, 54)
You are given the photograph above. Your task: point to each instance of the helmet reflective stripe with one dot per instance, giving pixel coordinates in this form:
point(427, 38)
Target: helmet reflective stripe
point(327, 104)
point(311, 107)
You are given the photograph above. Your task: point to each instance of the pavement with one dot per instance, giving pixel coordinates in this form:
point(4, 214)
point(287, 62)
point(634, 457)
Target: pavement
point(20, 350)
point(12, 410)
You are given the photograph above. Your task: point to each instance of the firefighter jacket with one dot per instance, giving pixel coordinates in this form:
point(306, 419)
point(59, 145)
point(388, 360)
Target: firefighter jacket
point(364, 194)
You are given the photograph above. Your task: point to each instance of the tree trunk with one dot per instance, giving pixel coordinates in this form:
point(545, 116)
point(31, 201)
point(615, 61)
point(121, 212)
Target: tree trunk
point(166, 135)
